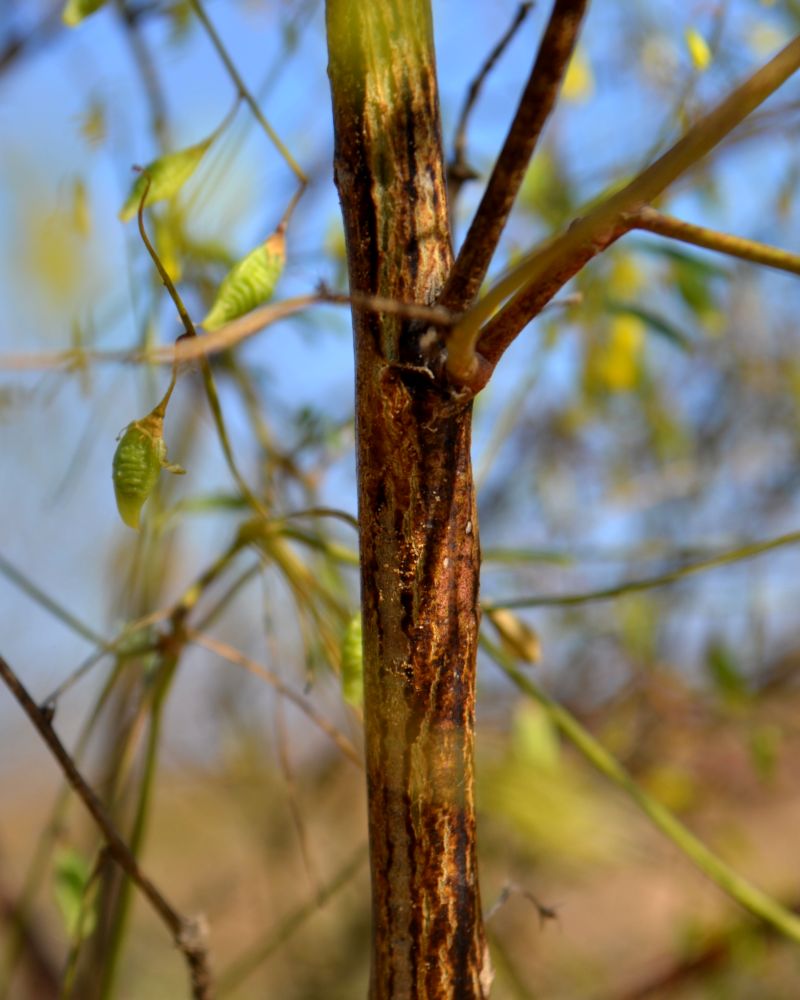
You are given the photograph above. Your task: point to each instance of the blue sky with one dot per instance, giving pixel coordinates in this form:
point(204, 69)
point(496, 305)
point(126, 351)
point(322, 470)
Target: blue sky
point(57, 516)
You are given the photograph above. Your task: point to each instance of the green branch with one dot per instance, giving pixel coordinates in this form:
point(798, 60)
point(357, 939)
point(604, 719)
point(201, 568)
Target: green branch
point(496, 319)
point(753, 899)
point(652, 221)
point(748, 551)
point(245, 94)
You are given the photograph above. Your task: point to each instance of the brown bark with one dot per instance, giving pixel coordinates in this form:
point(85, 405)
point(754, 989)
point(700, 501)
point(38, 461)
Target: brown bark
point(419, 539)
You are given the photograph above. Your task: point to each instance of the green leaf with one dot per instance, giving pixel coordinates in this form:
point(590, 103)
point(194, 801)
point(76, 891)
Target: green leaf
point(140, 456)
point(167, 175)
point(76, 10)
point(71, 879)
point(353, 663)
point(249, 283)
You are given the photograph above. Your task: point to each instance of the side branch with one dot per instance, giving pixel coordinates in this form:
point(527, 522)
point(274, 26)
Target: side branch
point(520, 296)
point(458, 169)
point(534, 109)
point(652, 221)
point(745, 893)
point(188, 934)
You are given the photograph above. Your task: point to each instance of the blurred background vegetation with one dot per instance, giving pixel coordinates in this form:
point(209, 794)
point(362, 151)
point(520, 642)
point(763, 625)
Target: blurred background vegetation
point(642, 426)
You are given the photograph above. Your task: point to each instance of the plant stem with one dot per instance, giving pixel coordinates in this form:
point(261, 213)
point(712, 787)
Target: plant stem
point(758, 902)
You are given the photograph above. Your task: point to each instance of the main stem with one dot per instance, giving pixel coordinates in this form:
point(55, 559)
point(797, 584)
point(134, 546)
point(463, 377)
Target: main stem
point(419, 539)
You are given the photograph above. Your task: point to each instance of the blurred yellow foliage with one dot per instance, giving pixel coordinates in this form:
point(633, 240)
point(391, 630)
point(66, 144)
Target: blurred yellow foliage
point(614, 364)
point(627, 277)
point(52, 254)
point(698, 48)
point(579, 79)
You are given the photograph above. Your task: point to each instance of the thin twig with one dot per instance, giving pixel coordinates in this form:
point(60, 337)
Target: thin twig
point(19, 579)
point(208, 378)
point(435, 315)
point(747, 895)
point(537, 101)
point(233, 655)
point(231, 334)
point(738, 554)
point(458, 169)
point(189, 934)
point(734, 246)
point(247, 963)
point(147, 72)
point(49, 26)
point(474, 348)
point(293, 799)
point(545, 912)
point(245, 94)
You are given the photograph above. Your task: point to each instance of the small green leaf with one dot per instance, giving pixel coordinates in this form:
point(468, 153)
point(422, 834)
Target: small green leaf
point(76, 10)
point(249, 283)
point(353, 663)
point(71, 879)
point(166, 175)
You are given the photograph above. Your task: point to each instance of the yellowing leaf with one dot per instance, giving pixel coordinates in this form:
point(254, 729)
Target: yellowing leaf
point(579, 80)
point(249, 283)
point(168, 245)
point(76, 10)
point(698, 48)
point(616, 364)
point(167, 175)
point(516, 636)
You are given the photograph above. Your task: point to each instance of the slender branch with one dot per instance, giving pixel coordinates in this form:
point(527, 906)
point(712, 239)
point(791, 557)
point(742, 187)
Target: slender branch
point(231, 334)
point(748, 551)
point(458, 169)
point(245, 94)
point(734, 246)
point(208, 378)
point(147, 71)
point(19, 579)
point(518, 297)
point(536, 103)
point(759, 903)
point(45, 29)
point(247, 963)
point(233, 655)
point(189, 934)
